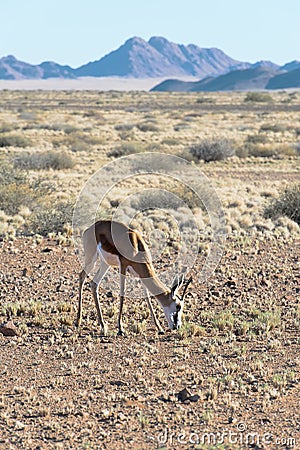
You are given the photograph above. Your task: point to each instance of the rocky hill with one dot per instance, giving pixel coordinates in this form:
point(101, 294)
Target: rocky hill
point(159, 57)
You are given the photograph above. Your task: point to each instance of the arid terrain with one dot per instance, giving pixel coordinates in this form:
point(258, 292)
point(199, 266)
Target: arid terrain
point(229, 378)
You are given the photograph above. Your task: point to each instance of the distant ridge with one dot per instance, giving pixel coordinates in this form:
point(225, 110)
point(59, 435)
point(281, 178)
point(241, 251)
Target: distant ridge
point(254, 78)
point(13, 69)
point(160, 58)
point(285, 80)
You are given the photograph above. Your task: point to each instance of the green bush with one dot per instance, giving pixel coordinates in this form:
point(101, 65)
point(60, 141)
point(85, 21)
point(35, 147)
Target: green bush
point(212, 150)
point(44, 161)
point(287, 204)
point(14, 141)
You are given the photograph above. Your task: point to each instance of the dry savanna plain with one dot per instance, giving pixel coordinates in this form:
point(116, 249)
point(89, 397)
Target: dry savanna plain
point(229, 378)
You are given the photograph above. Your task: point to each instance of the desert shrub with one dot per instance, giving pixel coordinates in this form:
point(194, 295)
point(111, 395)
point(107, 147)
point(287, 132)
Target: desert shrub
point(170, 141)
point(287, 150)
point(124, 127)
point(14, 141)
point(153, 147)
point(261, 151)
point(77, 142)
point(256, 139)
point(44, 161)
point(51, 218)
point(17, 190)
point(260, 97)
point(212, 150)
point(181, 126)
point(66, 128)
point(275, 128)
point(26, 115)
point(205, 100)
point(287, 204)
point(147, 126)
point(242, 152)
point(125, 149)
point(7, 127)
point(155, 199)
point(269, 151)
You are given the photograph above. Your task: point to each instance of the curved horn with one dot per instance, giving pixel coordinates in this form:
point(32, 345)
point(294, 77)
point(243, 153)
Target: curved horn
point(186, 284)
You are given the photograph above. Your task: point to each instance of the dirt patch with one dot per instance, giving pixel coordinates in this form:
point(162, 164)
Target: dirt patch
point(60, 388)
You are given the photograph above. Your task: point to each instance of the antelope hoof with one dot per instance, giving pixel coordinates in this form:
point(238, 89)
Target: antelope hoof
point(161, 332)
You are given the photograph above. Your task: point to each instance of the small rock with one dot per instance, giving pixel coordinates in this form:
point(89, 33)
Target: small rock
point(194, 398)
point(232, 419)
point(19, 425)
point(231, 284)
point(9, 329)
point(183, 395)
point(106, 413)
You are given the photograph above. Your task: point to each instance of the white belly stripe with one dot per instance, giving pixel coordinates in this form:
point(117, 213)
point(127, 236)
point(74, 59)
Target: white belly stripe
point(113, 260)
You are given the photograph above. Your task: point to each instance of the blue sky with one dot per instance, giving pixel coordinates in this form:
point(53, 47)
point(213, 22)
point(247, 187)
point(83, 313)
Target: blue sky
point(77, 31)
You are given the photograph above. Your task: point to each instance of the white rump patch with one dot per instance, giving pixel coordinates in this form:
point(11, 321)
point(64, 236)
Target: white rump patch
point(109, 258)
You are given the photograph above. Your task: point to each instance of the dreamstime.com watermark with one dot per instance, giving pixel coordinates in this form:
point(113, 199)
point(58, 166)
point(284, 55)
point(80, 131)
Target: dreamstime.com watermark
point(240, 435)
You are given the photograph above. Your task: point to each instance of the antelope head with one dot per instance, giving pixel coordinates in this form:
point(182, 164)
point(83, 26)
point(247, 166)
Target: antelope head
point(174, 311)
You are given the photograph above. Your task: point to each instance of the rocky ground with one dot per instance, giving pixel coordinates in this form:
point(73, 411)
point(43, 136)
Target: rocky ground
point(228, 380)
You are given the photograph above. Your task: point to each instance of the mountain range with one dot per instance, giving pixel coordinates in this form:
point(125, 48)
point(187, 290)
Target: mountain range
point(158, 57)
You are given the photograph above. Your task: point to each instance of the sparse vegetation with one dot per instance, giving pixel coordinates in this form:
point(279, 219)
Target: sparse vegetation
point(212, 150)
point(14, 141)
point(125, 149)
point(147, 126)
point(259, 97)
point(52, 218)
point(239, 343)
point(273, 127)
point(16, 190)
point(44, 161)
point(31, 205)
point(287, 204)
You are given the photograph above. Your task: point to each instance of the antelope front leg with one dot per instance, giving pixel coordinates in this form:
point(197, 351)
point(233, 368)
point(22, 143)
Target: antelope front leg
point(155, 320)
point(95, 286)
point(122, 293)
point(82, 277)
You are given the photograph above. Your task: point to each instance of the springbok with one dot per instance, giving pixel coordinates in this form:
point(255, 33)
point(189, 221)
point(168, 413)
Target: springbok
point(118, 245)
